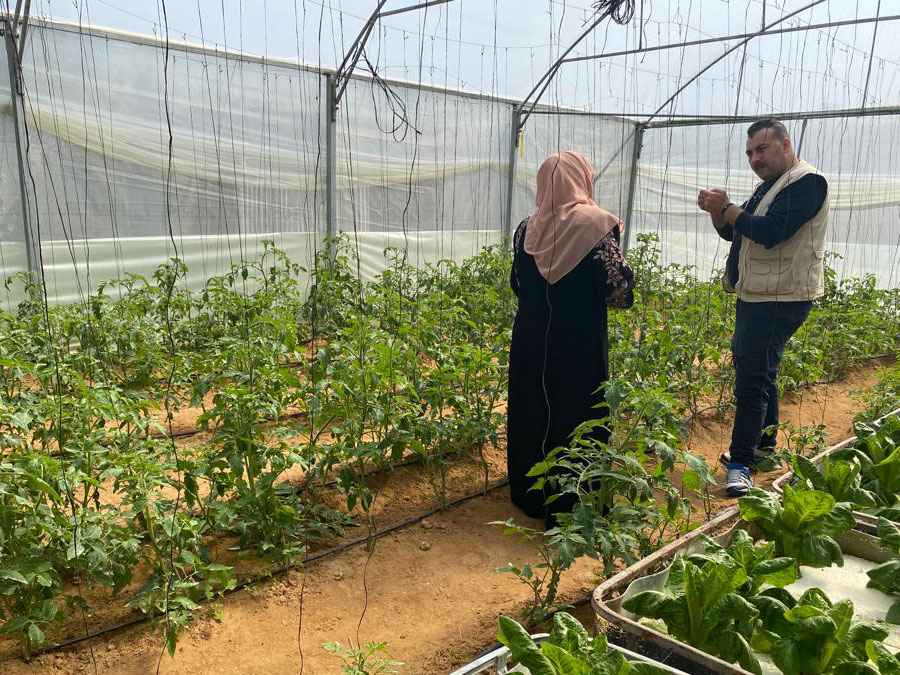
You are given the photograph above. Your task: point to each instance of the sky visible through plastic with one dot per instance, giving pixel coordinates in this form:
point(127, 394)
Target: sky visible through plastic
point(503, 47)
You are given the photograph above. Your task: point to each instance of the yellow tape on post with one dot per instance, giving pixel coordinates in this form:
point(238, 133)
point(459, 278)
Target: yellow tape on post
point(521, 144)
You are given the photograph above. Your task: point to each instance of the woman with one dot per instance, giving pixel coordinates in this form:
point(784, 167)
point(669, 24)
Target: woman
point(567, 269)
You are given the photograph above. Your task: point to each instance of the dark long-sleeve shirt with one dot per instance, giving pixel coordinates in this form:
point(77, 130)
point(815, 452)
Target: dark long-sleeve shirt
point(791, 208)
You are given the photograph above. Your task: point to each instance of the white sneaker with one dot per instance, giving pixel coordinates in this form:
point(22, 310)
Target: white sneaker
point(737, 481)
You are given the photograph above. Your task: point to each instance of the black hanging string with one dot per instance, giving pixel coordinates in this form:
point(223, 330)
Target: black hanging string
point(400, 122)
point(620, 11)
point(47, 327)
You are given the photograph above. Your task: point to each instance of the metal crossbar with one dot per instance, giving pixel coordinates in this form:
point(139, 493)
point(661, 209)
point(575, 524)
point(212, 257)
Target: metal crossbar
point(738, 36)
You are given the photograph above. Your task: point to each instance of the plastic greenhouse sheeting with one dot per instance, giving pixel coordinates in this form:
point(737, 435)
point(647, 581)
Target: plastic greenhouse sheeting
point(421, 168)
point(429, 164)
point(13, 257)
point(248, 163)
point(606, 142)
point(245, 166)
point(856, 155)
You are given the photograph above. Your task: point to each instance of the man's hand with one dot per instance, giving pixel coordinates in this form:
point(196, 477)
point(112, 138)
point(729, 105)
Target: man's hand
point(712, 200)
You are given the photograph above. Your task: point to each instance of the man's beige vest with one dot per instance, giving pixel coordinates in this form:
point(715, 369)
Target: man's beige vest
point(794, 269)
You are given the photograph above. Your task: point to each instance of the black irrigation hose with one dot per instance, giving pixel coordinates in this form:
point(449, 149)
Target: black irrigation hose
point(281, 570)
point(322, 554)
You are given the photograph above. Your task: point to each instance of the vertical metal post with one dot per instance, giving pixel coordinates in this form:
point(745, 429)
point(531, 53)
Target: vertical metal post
point(15, 101)
point(632, 182)
point(25, 14)
point(511, 182)
point(802, 136)
point(330, 160)
point(16, 12)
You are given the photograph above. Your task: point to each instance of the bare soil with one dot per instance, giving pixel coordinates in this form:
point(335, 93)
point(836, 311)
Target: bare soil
point(429, 590)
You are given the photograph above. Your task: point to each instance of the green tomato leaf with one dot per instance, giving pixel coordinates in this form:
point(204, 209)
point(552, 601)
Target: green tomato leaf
point(15, 625)
point(13, 575)
point(47, 610)
point(35, 634)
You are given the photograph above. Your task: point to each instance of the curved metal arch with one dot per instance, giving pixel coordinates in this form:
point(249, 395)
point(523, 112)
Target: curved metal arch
point(527, 106)
point(335, 86)
point(351, 58)
point(729, 51)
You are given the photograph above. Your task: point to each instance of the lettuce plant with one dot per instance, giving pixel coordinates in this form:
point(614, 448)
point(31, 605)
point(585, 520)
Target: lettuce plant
point(756, 561)
point(841, 478)
point(813, 636)
point(878, 451)
point(701, 606)
point(886, 576)
point(802, 523)
point(882, 662)
point(568, 651)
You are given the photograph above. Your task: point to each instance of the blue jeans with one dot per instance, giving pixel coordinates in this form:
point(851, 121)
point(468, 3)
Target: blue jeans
point(761, 332)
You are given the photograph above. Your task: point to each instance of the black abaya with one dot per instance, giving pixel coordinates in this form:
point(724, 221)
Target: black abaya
point(559, 361)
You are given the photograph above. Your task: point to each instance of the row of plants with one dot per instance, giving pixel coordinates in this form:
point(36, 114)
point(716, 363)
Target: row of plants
point(713, 602)
point(568, 650)
point(866, 473)
point(91, 489)
point(735, 602)
point(322, 382)
point(882, 397)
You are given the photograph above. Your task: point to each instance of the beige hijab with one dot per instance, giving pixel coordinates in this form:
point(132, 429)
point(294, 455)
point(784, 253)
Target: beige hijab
point(568, 223)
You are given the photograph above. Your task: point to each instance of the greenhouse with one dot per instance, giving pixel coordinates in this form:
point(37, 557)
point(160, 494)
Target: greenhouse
point(256, 334)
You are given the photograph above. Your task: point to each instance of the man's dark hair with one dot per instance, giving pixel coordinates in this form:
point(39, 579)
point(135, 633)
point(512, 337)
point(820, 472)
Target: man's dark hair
point(779, 131)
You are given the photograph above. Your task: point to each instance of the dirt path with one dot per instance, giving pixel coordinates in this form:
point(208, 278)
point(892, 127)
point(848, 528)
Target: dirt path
point(831, 405)
point(431, 592)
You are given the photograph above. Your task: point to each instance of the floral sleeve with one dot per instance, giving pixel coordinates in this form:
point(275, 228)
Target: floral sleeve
point(614, 277)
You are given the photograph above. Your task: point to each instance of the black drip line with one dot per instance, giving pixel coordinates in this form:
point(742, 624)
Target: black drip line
point(279, 571)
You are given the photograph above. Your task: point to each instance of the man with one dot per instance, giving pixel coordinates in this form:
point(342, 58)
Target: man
point(776, 267)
